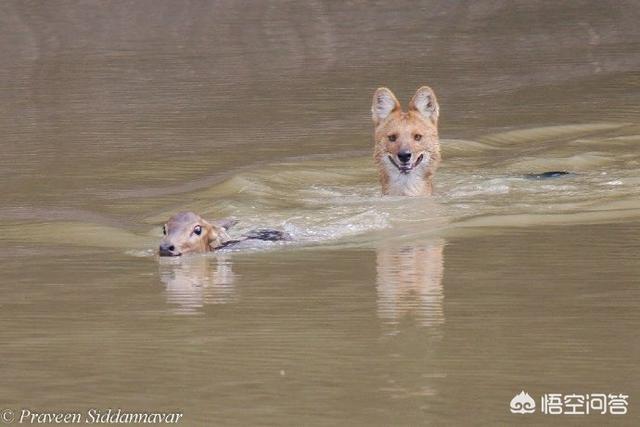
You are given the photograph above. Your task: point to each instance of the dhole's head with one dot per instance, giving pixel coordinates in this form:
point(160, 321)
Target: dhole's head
point(187, 232)
point(407, 151)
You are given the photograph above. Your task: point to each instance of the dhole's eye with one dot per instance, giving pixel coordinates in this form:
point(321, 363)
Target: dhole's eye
point(393, 137)
point(197, 229)
point(417, 137)
point(164, 230)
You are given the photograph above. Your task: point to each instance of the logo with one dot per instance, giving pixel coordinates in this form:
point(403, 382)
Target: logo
point(571, 404)
point(522, 404)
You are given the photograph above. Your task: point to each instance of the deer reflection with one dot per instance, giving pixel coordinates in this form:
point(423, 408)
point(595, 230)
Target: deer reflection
point(409, 283)
point(195, 281)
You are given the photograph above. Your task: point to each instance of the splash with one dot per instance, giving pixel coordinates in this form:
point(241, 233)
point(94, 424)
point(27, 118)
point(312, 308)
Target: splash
point(325, 200)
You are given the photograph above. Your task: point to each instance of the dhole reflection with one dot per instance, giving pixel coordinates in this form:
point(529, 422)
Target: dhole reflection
point(193, 282)
point(409, 283)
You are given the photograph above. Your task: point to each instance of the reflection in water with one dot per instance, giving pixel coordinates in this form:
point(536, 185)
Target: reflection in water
point(409, 283)
point(193, 282)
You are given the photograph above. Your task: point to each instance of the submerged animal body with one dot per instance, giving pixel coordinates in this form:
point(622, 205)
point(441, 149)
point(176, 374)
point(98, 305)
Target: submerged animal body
point(548, 175)
point(407, 148)
point(188, 232)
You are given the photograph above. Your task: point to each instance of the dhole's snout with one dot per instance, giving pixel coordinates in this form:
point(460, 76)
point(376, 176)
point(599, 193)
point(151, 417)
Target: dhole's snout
point(406, 161)
point(404, 157)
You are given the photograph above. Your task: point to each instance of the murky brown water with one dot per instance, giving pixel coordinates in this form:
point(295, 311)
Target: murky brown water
point(383, 311)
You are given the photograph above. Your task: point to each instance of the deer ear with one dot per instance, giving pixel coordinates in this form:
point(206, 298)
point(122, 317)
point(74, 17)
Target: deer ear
point(384, 103)
point(425, 102)
point(225, 223)
point(213, 234)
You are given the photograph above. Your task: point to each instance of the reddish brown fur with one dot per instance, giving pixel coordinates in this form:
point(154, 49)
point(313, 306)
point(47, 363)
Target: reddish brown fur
point(415, 132)
point(179, 234)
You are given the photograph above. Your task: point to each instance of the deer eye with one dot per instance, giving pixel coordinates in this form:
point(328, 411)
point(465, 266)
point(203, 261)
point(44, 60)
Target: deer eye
point(197, 229)
point(164, 230)
point(393, 137)
point(417, 137)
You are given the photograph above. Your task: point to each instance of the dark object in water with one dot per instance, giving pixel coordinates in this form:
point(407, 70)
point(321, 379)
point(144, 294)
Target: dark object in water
point(547, 175)
point(268, 235)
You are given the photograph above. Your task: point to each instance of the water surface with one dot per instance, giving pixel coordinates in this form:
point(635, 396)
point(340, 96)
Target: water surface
point(382, 310)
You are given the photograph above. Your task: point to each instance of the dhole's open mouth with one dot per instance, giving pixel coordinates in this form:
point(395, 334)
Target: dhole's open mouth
point(405, 169)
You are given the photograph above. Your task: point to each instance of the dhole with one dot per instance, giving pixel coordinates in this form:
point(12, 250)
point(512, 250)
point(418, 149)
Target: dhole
point(407, 151)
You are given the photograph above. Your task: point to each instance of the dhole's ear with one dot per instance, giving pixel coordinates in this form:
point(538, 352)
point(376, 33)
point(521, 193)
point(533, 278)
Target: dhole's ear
point(384, 103)
point(425, 102)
